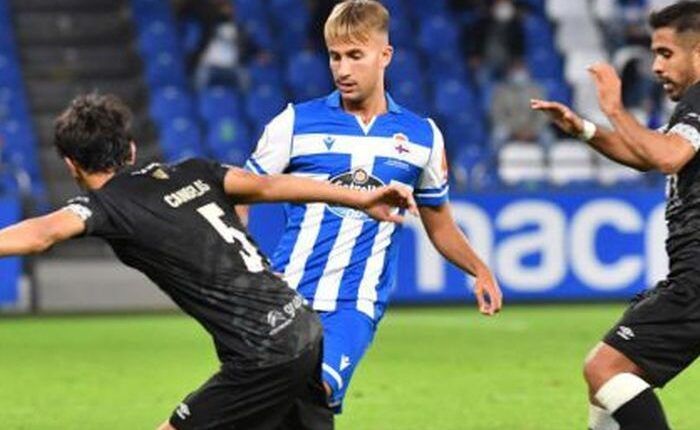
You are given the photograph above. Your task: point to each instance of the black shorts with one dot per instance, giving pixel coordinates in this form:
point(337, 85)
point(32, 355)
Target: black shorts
point(289, 396)
point(660, 331)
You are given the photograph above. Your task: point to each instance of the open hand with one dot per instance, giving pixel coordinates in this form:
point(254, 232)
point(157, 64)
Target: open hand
point(381, 203)
point(561, 115)
point(609, 87)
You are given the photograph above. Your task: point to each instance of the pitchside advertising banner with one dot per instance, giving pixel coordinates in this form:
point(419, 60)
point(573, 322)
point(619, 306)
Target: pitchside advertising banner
point(586, 245)
point(9, 267)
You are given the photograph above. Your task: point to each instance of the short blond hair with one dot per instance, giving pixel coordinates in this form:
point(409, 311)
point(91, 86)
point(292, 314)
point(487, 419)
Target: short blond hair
point(355, 20)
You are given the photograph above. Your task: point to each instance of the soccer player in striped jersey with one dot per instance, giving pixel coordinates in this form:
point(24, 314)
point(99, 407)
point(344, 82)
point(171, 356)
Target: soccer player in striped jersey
point(342, 262)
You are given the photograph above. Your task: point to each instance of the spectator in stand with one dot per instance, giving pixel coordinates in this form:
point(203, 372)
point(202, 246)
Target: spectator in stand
point(495, 37)
point(222, 45)
point(511, 118)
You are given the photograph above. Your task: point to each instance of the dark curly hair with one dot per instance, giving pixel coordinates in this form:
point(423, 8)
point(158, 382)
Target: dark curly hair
point(681, 16)
point(94, 132)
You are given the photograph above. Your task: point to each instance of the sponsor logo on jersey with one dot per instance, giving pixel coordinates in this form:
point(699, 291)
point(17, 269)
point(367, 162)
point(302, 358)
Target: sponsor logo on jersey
point(279, 319)
point(357, 179)
point(625, 332)
point(183, 411)
point(196, 189)
point(329, 141)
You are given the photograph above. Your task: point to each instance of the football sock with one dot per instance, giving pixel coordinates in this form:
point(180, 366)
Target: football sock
point(632, 403)
point(600, 419)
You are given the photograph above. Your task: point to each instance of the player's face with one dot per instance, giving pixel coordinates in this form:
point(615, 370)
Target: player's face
point(358, 68)
point(676, 61)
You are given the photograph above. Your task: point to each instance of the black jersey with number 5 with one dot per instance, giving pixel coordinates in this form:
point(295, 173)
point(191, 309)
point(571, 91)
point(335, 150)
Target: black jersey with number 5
point(175, 224)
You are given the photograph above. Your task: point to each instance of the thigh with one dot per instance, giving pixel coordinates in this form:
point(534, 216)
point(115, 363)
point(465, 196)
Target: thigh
point(660, 331)
point(255, 399)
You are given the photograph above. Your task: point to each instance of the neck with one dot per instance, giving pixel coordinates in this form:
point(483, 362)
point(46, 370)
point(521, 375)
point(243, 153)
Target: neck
point(95, 181)
point(368, 108)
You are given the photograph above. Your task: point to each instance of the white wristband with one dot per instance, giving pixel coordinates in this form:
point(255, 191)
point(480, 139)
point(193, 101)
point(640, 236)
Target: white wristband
point(588, 131)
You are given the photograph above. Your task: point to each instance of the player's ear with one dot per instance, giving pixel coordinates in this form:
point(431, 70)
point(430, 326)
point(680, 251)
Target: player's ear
point(387, 54)
point(132, 155)
point(71, 167)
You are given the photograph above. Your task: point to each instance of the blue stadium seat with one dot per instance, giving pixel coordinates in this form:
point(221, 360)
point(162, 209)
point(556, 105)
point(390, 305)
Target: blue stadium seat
point(216, 103)
point(438, 35)
point(557, 90)
point(263, 103)
point(264, 74)
point(308, 75)
point(538, 33)
point(544, 64)
point(170, 102)
point(401, 33)
point(453, 98)
point(180, 139)
point(405, 66)
point(165, 69)
point(260, 34)
point(247, 10)
point(292, 20)
point(466, 129)
point(419, 9)
point(157, 37)
point(9, 71)
point(411, 94)
point(230, 141)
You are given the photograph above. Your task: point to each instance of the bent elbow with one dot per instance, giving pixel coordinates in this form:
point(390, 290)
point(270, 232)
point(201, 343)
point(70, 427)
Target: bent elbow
point(669, 166)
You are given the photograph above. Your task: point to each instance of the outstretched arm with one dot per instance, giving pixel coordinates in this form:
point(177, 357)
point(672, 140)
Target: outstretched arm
point(248, 187)
point(452, 244)
point(38, 234)
point(630, 143)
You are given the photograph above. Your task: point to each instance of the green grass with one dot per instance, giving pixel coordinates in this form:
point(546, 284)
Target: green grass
point(430, 369)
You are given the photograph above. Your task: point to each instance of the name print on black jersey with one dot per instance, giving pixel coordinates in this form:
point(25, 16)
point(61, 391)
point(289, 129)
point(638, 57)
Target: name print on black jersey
point(196, 189)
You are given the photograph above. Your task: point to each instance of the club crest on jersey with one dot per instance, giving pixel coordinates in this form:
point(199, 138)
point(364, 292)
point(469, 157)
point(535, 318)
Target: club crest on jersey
point(160, 174)
point(358, 179)
point(329, 141)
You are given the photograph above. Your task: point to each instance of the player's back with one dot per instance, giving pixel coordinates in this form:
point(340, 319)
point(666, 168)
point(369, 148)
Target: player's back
point(176, 224)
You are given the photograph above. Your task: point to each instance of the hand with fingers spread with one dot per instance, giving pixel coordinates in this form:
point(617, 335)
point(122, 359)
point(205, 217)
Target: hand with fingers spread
point(488, 294)
point(608, 86)
point(382, 202)
point(562, 116)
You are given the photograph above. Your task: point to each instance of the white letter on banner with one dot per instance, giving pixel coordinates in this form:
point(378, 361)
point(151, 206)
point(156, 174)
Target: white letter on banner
point(430, 272)
point(548, 239)
point(477, 226)
point(655, 245)
point(584, 258)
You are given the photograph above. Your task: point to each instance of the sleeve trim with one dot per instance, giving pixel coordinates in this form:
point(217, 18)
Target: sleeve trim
point(689, 133)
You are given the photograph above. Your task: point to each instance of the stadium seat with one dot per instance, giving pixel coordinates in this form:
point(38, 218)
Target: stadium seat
point(292, 22)
point(264, 73)
point(262, 104)
point(465, 130)
point(170, 102)
point(538, 33)
point(219, 102)
point(411, 94)
point(522, 163)
point(544, 64)
point(157, 37)
point(570, 162)
point(9, 71)
point(247, 10)
point(180, 139)
point(401, 33)
point(165, 70)
point(612, 173)
point(404, 66)
point(230, 141)
point(438, 37)
point(419, 9)
point(454, 98)
point(308, 76)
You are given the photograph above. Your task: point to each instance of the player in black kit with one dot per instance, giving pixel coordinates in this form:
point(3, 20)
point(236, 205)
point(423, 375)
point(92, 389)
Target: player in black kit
point(659, 334)
point(176, 224)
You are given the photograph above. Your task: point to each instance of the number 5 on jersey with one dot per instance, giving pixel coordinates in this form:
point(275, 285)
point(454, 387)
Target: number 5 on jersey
point(213, 213)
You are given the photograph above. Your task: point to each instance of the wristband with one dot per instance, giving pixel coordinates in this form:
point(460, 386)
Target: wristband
point(588, 131)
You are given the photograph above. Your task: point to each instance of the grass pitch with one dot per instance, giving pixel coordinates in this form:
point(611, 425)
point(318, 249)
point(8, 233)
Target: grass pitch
point(429, 369)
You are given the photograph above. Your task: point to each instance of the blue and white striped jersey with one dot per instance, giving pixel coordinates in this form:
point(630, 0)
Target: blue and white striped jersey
point(338, 257)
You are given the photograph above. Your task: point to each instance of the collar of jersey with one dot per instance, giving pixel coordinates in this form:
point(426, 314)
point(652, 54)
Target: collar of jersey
point(333, 100)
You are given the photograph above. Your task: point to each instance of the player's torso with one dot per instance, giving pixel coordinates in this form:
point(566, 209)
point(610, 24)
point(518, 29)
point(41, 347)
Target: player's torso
point(337, 256)
point(177, 226)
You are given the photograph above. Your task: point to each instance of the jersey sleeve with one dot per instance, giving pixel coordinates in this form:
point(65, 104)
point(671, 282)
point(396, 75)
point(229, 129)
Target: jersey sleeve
point(272, 154)
point(688, 127)
point(88, 209)
point(432, 186)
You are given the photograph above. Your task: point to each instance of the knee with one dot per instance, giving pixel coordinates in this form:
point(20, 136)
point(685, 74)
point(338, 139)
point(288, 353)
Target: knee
point(596, 369)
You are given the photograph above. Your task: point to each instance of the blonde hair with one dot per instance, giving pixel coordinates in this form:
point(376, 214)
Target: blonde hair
point(355, 20)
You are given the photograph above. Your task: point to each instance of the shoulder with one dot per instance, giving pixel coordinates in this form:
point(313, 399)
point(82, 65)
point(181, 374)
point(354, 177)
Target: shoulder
point(421, 130)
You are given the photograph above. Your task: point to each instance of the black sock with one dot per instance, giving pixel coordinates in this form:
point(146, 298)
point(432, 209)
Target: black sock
point(643, 412)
